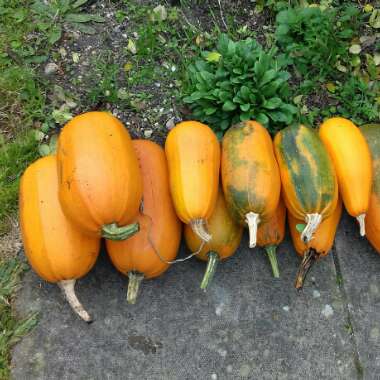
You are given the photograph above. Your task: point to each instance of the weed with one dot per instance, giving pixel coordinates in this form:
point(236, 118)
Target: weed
point(236, 82)
point(11, 329)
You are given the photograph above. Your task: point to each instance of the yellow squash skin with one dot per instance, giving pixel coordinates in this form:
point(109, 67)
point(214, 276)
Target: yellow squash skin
point(371, 133)
point(250, 174)
point(226, 237)
point(99, 175)
point(193, 155)
point(57, 251)
point(352, 160)
point(319, 246)
point(226, 233)
point(309, 182)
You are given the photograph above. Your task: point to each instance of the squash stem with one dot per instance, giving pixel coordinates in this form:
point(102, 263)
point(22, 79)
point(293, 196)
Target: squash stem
point(67, 287)
point(312, 223)
point(308, 260)
point(114, 232)
point(253, 221)
point(212, 262)
point(271, 251)
point(361, 221)
point(135, 279)
point(199, 228)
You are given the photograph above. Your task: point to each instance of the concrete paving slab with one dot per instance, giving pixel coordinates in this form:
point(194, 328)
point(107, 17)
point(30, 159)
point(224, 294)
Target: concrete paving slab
point(359, 265)
point(248, 325)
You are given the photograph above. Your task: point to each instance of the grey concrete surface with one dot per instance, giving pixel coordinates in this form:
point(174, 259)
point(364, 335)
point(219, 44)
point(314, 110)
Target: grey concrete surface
point(359, 265)
point(248, 325)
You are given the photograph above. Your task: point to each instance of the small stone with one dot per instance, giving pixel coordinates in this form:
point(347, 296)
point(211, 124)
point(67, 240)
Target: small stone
point(374, 333)
point(51, 68)
point(229, 368)
point(285, 308)
point(316, 294)
point(327, 311)
point(170, 123)
point(62, 51)
point(157, 84)
point(218, 309)
point(214, 376)
point(244, 371)
point(148, 133)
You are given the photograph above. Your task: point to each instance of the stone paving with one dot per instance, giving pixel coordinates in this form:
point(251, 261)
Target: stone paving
point(247, 326)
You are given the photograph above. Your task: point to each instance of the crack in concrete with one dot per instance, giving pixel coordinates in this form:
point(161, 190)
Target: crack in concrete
point(349, 317)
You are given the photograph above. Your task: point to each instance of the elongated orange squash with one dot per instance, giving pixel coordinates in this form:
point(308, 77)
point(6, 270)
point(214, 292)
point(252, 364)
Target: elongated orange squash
point(352, 160)
point(309, 182)
point(371, 133)
point(271, 233)
point(226, 237)
point(146, 254)
point(100, 185)
point(57, 251)
point(250, 175)
point(193, 154)
point(319, 246)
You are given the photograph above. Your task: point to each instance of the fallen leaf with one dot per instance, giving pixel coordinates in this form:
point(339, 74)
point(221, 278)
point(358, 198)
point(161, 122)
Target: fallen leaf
point(355, 49)
point(132, 46)
point(368, 8)
point(374, 20)
point(376, 59)
point(330, 87)
point(297, 99)
point(128, 66)
point(160, 13)
point(75, 57)
point(340, 67)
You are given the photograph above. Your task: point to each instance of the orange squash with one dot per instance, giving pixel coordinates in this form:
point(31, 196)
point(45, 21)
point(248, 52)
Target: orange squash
point(250, 175)
point(57, 251)
point(309, 182)
point(226, 237)
point(271, 233)
point(193, 154)
point(146, 254)
point(352, 160)
point(316, 248)
point(100, 185)
point(371, 133)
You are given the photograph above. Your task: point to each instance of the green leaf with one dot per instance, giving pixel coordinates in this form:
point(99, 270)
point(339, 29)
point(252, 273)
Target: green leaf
point(300, 227)
point(79, 3)
point(213, 56)
point(210, 110)
point(43, 149)
point(78, 17)
point(272, 103)
point(224, 124)
point(262, 119)
point(245, 107)
point(268, 76)
point(245, 116)
point(55, 34)
point(229, 106)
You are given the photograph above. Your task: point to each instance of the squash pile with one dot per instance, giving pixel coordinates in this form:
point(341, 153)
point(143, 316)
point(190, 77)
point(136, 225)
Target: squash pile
point(134, 194)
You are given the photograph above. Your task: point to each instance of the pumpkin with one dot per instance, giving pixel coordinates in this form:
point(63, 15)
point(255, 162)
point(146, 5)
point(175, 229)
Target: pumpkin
point(56, 250)
point(226, 237)
point(250, 175)
point(309, 182)
point(100, 185)
point(319, 246)
point(193, 154)
point(146, 254)
point(352, 159)
point(271, 233)
point(371, 133)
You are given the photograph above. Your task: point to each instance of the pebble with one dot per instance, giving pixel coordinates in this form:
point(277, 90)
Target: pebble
point(327, 311)
point(51, 68)
point(285, 308)
point(170, 123)
point(316, 294)
point(148, 133)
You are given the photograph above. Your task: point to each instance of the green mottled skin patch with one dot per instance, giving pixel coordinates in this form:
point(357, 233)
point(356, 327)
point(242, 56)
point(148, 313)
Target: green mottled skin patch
point(312, 177)
point(241, 201)
point(371, 133)
point(233, 138)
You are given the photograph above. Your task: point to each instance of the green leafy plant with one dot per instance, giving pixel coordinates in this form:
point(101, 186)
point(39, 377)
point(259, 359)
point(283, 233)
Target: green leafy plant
point(236, 82)
point(12, 330)
point(316, 39)
point(54, 16)
point(358, 100)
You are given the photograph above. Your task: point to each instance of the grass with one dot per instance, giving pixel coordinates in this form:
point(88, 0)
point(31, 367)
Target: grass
point(11, 329)
point(146, 75)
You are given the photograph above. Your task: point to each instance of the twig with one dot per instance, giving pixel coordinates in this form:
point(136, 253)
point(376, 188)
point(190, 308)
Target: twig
point(221, 15)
